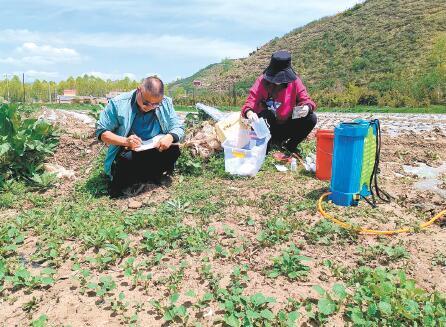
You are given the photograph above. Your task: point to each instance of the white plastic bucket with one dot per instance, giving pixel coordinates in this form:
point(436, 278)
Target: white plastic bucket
point(247, 160)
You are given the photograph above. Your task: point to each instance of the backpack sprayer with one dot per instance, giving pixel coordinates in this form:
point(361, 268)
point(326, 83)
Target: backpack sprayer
point(355, 169)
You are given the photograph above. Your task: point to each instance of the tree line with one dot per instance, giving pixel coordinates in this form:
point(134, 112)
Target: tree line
point(41, 90)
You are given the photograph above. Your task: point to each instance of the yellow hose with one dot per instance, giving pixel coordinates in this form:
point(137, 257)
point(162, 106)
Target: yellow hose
point(373, 231)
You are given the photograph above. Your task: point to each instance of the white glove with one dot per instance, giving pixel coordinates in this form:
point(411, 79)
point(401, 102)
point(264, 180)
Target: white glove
point(300, 111)
point(252, 116)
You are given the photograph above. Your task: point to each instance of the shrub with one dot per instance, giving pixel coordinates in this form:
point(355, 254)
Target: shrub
point(24, 143)
point(397, 99)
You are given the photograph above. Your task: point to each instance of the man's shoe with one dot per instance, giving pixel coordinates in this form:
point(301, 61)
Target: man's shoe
point(166, 180)
point(134, 190)
point(115, 193)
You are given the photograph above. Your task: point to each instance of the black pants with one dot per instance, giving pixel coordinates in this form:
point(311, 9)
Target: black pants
point(132, 167)
point(293, 131)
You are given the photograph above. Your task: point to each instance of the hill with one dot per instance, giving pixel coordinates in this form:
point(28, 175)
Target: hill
point(377, 45)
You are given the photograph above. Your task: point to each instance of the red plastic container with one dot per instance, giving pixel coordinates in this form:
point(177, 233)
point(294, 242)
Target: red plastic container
point(324, 153)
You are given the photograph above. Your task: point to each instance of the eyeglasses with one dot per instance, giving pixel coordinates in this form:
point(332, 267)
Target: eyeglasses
point(148, 103)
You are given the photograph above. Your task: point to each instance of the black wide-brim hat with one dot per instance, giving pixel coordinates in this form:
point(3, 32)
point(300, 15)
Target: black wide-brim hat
point(279, 70)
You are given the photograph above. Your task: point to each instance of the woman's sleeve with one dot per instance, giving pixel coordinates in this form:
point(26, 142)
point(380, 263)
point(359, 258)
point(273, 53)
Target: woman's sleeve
point(302, 95)
point(253, 97)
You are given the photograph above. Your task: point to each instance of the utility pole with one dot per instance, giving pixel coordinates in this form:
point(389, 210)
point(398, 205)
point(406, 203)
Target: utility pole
point(229, 95)
point(7, 88)
point(23, 84)
point(234, 95)
point(49, 92)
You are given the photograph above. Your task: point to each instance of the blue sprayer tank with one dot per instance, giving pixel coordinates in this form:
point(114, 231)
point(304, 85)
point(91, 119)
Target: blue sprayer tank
point(354, 153)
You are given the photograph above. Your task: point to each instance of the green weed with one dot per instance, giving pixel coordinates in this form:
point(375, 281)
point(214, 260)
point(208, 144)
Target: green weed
point(172, 312)
point(327, 233)
point(274, 232)
point(290, 264)
point(383, 253)
point(439, 259)
point(189, 239)
point(390, 298)
point(105, 285)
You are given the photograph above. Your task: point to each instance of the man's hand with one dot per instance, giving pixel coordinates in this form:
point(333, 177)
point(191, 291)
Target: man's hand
point(164, 143)
point(252, 116)
point(133, 141)
point(300, 112)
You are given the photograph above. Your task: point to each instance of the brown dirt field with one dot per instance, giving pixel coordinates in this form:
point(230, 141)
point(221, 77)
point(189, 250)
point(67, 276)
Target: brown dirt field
point(267, 195)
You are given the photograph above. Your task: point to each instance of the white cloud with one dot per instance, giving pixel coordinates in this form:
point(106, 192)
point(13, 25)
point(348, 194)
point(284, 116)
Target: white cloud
point(111, 76)
point(266, 15)
point(272, 15)
point(31, 75)
point(9, 60)
point(156, 44)
point(19, 35)
point(221, 8)
point(30, 53)
point(59, 54)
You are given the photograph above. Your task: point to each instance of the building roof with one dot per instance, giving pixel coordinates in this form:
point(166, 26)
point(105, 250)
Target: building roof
point(70, 92)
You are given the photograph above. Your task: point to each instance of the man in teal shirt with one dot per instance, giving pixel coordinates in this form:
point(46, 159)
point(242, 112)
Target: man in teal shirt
point(130, 119)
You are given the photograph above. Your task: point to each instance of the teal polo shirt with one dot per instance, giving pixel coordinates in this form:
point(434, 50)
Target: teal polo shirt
point(146, 124)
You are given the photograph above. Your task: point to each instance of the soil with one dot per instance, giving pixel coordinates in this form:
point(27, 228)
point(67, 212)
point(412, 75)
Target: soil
point(64, 304)
point(78, 145)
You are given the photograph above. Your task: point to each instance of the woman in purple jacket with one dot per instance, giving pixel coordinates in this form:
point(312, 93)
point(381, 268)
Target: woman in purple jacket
point(280, 97)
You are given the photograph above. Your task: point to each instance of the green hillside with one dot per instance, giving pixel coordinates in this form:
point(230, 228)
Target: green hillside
point(377, 51)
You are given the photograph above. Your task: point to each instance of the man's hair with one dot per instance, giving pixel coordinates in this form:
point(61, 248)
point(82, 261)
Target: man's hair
point(154, 86)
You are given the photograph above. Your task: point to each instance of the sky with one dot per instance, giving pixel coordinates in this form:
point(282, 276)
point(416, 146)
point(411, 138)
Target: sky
point(111, 39)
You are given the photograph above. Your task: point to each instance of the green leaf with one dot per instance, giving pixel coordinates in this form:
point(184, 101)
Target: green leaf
point(207, 297)
point(357, 316)
point(339, 290)
point(258, 299)
point(191, 293)
point(326, 306)
point(232, 321)
point(4, 148)
point(47, 281)
point(293, 316)
point(253, 315)
point(101, 292)
point(372, 309)
point(169, 315)
point(282, 316)
point(385, 308)
point(229, 305)
point(267, 314)
point(319, 290)
point(174, 297)
point(41, 322)
point(304, 258)
point(181, 311)
point(48, 271)
point(293, 275)
point(273, 274)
